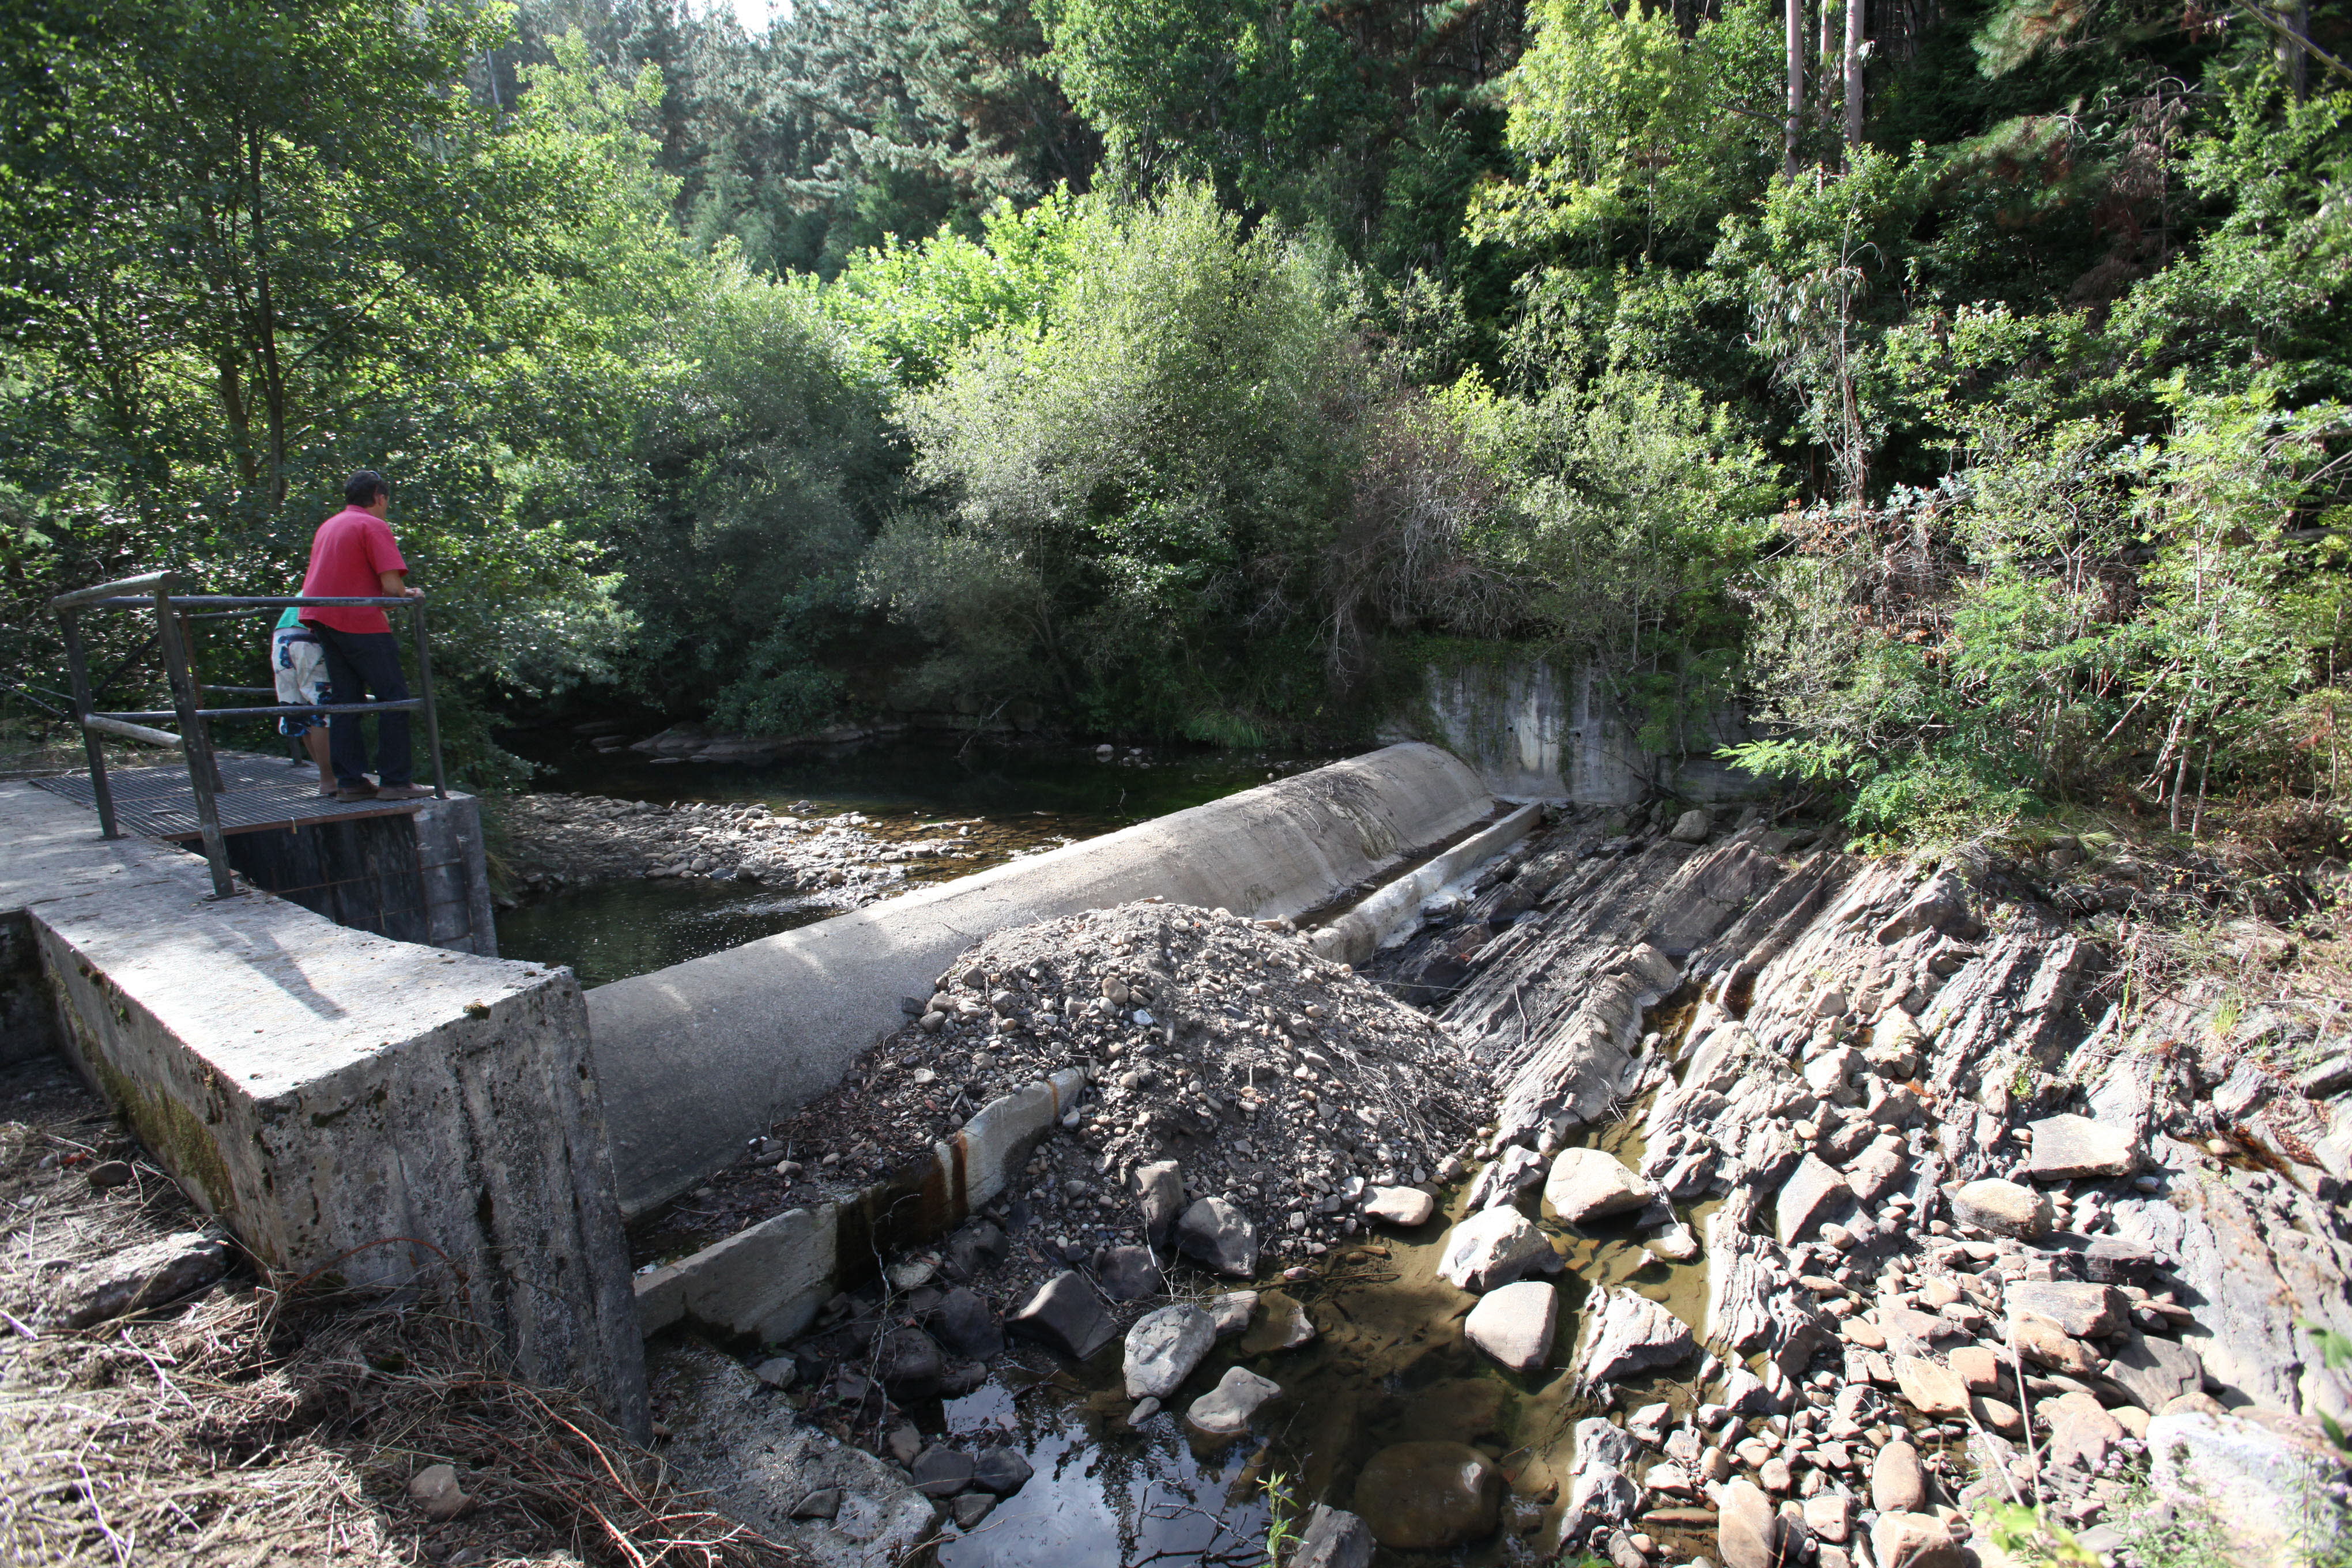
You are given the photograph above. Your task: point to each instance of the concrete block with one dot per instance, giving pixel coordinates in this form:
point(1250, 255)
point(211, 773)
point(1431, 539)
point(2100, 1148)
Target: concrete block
point(699, 1057)
point(768, 1280)
point(344, 1103)
point(1356, 935)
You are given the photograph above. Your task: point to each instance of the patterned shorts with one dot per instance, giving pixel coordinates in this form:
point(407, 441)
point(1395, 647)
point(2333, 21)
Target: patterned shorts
point(299, 665)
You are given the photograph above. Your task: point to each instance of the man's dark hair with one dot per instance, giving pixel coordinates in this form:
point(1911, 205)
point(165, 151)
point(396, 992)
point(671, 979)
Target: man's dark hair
point(362, 488)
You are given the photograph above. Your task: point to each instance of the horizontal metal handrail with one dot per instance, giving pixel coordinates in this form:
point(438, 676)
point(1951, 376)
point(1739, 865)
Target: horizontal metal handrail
point(406, 705)
point(107, 724)
point(150, 581)
point(381, 601)
point(153, 591)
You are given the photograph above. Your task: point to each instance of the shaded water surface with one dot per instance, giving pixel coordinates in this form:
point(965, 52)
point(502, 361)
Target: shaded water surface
point(1002, 801)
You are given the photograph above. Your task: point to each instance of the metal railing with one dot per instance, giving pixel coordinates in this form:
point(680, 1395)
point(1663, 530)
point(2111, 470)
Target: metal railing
point(194, 740)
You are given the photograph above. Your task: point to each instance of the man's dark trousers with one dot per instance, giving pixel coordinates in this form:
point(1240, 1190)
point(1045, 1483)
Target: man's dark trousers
point(364, 667)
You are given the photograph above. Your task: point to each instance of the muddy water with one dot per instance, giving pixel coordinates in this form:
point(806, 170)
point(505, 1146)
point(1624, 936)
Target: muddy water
point(1390, 1364)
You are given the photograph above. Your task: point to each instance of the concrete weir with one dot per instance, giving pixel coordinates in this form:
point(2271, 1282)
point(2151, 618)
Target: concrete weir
point(339, 1100)
point(698, 1059)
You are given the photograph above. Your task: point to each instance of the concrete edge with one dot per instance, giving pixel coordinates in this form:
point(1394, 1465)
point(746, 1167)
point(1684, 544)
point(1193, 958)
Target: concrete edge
point(1356, 935)
point(770, 1278)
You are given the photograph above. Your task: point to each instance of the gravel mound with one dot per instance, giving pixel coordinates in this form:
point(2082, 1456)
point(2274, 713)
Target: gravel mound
point(1282, 1084)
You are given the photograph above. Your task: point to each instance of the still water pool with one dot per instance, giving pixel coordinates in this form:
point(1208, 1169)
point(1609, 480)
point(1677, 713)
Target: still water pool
point(1010, 800)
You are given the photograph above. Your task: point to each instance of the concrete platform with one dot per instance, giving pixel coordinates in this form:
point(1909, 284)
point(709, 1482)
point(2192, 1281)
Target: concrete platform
point(342, 1102)
point(701, 1057)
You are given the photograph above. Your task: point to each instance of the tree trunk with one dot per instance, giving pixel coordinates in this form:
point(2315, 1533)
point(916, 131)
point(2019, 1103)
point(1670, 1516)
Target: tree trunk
point(1853, 73)
point(1794, 129)
point(273, 380)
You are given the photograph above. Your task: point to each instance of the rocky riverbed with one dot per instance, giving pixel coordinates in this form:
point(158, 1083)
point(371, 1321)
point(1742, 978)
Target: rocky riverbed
point(1991, 1212)
point(566, 841)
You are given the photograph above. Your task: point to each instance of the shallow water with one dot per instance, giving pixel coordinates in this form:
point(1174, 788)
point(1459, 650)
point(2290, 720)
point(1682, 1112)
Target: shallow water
point(1008, 800)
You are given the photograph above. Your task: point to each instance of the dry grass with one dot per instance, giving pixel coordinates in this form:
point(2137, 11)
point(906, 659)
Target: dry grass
point(263, 1422)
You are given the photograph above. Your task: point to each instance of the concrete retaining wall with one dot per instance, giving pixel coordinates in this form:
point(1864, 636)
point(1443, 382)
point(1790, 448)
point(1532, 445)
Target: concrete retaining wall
point(343, 1103)
point(767, 1282)
point(698, 1059)
point(417, 876)
point(1533, 732)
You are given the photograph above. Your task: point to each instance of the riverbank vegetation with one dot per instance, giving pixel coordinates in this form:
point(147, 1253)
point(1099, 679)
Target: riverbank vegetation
point(1956, 385)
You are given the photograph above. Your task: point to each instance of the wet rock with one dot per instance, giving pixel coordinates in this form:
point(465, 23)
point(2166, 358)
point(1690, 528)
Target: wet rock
point(1515, 1324)
point(1333, 1537)
point(148, 1275)
point(941, 1472)
point(1001, 1469)
point(971, 1507)
point(1216, 1233)
point(1232, 1312)
point(1226, 1409)
point(1676, 1243)
point(1065, 1316)
point(1932, 1390)
point(1129, 1273)
point(2086, 1312)
point(910, 1364)
point(1429, 1497)
point(2067, 1147)
point(1626, 1332)
point(2002, 1207)
point(1159, 1188)
point(1514, 1171)
point(1748, 1527)
point(1904, 1540)
point(1403, 1207)
point(1284, 1327)
point(1898, 1484)
point(2270, 1467)
point(1163, 1347)
point(1494, 1248)
point(1588, 1184)
point(967, 1327)
point(1816, 1190)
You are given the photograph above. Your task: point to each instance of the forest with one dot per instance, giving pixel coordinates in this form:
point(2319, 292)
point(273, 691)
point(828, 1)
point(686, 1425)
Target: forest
point(1955, 387)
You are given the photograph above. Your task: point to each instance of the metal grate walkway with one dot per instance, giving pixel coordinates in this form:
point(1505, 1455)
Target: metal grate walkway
point(262, 793)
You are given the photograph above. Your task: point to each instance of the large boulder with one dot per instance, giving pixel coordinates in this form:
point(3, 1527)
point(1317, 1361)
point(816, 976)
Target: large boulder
point(1588, 1184)
point(2269, 1471)
point(1129, 1273)
point(1494, 1248)
point(1817, 1190)
point(1898, 1482)
point(1748, 1527)
point(1429, 1497)
point(1163, 1347)
point(1065, 1315)
point(1515, 1324)
point(1216, 1233)
point(1404, 1207)
point(910, 1364)
point(1626, 1332)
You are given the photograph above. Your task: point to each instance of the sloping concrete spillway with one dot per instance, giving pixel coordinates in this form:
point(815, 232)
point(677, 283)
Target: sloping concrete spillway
point(697, 1059)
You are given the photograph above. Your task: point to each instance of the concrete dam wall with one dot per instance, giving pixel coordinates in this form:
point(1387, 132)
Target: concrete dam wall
point(697, 1059)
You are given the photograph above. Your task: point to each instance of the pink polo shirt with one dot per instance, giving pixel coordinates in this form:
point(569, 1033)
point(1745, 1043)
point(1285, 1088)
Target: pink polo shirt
point(349, 556)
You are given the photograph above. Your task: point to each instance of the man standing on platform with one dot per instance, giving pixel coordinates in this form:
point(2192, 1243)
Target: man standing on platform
point(354, 556)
